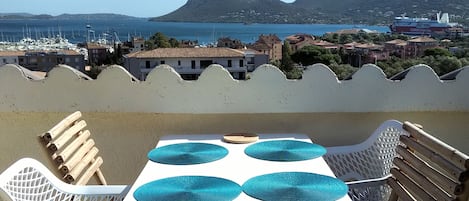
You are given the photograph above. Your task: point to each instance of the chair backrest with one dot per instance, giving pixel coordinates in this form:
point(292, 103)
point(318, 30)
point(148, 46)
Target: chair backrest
point(73, 150)
point(28, 179)
point(369, 159)
point(428, 169)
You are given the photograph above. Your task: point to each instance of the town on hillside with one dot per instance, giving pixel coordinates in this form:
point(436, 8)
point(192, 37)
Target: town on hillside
point(344, 51)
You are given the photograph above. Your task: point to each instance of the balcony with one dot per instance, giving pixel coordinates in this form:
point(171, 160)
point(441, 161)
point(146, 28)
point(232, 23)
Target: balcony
point(127, 117)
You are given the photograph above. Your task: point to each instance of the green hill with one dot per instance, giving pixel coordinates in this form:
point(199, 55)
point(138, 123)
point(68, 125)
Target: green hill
point(314, 11)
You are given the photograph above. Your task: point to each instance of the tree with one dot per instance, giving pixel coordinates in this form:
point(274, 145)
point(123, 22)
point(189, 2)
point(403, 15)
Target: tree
point(310, 55)
point(437, 52)
point(286, 64)
point(173, 42)
point(343, 71)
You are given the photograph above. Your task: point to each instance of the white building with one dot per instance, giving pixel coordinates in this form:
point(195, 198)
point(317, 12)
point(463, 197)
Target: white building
point(10, 57)
point(138, 44)
point(188, 62)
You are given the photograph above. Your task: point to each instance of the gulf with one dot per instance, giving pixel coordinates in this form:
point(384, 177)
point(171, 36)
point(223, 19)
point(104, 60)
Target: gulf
point(78, 30)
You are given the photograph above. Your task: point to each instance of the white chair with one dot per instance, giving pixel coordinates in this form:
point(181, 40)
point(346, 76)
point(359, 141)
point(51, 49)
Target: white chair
point(424, 168)
point(369, 159)
point(29, 180)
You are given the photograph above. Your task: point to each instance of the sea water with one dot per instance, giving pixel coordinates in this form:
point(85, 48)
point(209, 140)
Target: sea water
point(81, 30)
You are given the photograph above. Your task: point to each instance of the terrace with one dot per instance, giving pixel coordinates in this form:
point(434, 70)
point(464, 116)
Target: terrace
point(127, 116)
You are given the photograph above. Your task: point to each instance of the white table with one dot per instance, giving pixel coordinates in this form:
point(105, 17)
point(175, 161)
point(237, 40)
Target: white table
point(236, 166)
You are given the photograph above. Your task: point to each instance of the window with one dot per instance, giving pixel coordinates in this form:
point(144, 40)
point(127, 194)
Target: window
point(179, 62)
point(229, 63)
point(205, 63)
point(193, 64)
point(147, 64)
point(241, 63)
point(33, 60)
point(4, 61)
point(251, 60)
point(162, 62)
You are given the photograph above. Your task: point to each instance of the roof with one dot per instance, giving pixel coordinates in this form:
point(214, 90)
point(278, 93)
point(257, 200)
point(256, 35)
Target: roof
point(187, 53)
point(11, 53)
point(422, 40)
point(94, 46)
point(368, 46)
point(271, 38)
point(58, 52)
point(323, 43)
point(396, 41)
point(297, 38)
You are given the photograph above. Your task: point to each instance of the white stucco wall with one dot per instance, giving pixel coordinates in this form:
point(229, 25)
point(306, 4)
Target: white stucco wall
point(126, 117)
point(268, 91)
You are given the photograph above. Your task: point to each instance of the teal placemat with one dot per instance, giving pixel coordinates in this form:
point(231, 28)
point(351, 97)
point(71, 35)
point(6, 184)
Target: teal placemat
point(187, 153)
point(298, 186)
point(188, 188)
point(285, 150)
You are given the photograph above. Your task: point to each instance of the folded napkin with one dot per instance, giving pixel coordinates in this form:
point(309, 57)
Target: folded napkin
point(188, 188)
point(298, 186)
point(187, 153)
point(285, 150)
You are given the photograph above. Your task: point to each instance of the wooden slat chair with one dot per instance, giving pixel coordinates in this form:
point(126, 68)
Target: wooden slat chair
point(425, 169)
point(73, 150)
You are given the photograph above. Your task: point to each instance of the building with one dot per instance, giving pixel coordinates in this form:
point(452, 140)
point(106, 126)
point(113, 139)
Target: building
point(396, 47)
point(254, 59)
point(138, 44)
point(417, 46)
point(96, 53)
point(270, 45)
point(230, 43)
point(188, 62)
point(45, 60)
point(299, 41)
point(10, 57)
point(364, 53)
point(324, 44)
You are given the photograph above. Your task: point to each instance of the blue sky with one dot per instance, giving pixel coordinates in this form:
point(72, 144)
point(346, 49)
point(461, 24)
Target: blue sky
point(137, 8)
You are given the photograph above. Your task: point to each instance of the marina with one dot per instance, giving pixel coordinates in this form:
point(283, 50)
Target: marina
point(76, 31)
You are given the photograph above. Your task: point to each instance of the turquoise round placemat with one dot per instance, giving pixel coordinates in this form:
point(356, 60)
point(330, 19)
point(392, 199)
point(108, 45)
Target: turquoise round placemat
point(299, 186)
point(187, 153)
point(188, 188)
point(285, 150)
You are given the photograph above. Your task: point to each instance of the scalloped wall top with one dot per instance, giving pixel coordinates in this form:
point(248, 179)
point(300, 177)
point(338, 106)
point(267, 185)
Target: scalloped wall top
point(267, 91)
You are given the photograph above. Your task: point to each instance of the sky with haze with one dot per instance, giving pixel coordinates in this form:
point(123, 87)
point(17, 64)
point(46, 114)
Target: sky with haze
point(137, 8)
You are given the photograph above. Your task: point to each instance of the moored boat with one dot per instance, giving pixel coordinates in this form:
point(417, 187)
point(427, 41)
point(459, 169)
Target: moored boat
point(438, 25)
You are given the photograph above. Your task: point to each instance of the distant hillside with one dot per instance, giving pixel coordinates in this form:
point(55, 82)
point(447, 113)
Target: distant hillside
point(247, 11)
point(382, 11)
point(379, 12)
point(64, 16)
point(11, 16)
point(93, 16)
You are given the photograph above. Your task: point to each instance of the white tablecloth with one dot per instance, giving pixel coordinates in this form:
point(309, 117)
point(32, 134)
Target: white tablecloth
point(236, 166)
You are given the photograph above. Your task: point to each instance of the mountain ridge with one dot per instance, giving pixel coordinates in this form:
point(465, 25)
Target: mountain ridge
point(65, 16)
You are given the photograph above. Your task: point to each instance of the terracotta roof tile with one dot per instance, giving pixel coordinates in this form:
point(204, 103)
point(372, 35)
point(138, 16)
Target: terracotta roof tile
point(11, 53)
